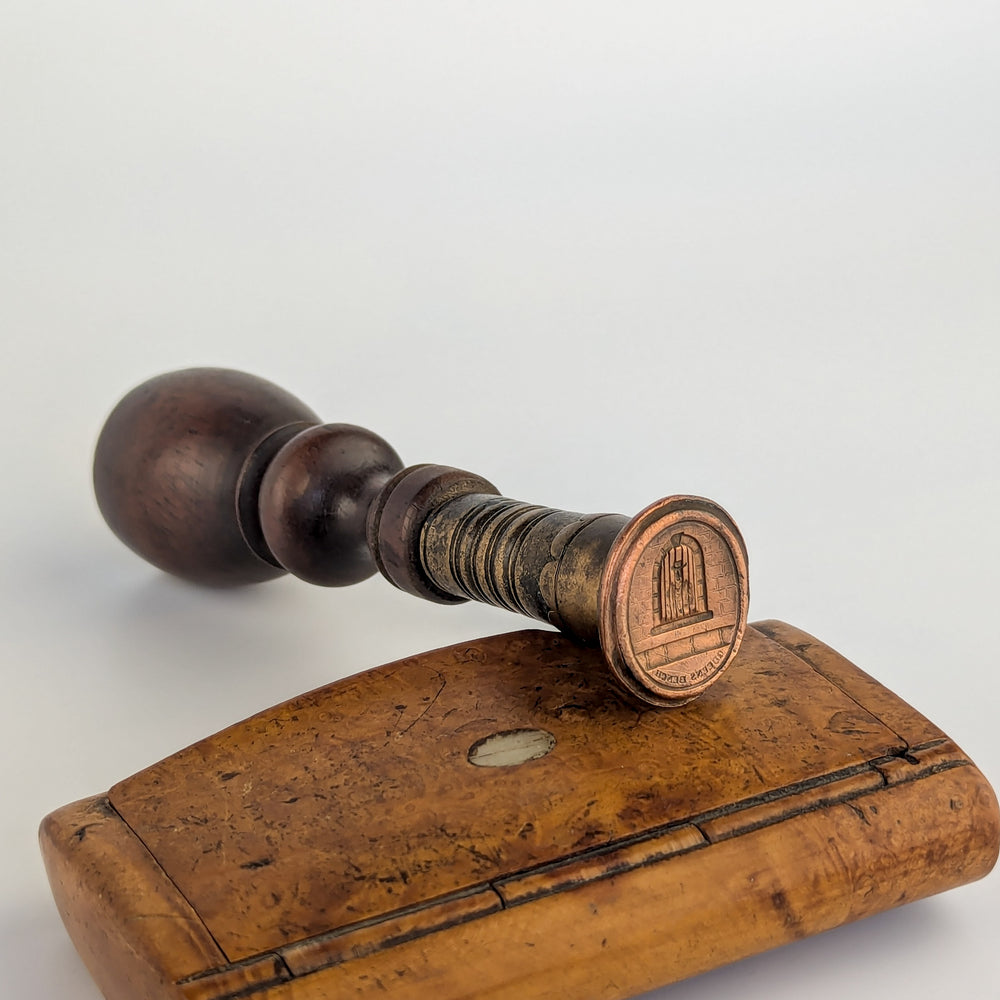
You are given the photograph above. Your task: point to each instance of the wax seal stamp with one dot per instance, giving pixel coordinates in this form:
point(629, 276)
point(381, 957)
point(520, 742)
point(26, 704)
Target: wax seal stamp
point(224, 478)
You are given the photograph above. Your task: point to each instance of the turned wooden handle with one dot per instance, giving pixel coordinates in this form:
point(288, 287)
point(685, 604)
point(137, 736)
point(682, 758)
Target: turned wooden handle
point(223, 478)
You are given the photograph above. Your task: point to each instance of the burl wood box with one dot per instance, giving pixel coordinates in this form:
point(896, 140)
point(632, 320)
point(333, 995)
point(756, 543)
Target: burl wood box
point(495, 820)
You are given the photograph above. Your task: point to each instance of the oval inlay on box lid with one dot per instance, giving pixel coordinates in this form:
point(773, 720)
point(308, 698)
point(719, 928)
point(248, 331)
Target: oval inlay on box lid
point(516, 746)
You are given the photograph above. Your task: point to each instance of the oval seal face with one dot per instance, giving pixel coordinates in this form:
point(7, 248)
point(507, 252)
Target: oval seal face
point(674, 599)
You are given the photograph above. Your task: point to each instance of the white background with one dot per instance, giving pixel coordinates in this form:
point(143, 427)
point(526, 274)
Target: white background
point(597, 253)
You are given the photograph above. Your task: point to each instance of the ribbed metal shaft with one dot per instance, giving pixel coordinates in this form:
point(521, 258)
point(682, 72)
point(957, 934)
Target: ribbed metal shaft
point(538, 561)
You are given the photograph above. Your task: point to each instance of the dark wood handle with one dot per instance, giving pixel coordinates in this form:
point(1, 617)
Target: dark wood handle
point(223, 478)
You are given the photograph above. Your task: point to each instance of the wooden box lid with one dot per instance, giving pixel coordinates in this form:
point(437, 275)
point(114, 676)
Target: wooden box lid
point(366, 815)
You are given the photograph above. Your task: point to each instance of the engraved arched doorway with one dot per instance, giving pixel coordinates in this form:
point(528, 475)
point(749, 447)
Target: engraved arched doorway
point(679, 591)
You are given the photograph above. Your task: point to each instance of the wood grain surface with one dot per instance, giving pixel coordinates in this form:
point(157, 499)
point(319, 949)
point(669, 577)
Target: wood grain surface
point(344, 843)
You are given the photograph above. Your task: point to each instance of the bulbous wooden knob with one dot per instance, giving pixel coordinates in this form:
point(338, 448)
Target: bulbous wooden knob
point(178, 467)
point(224, 478)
